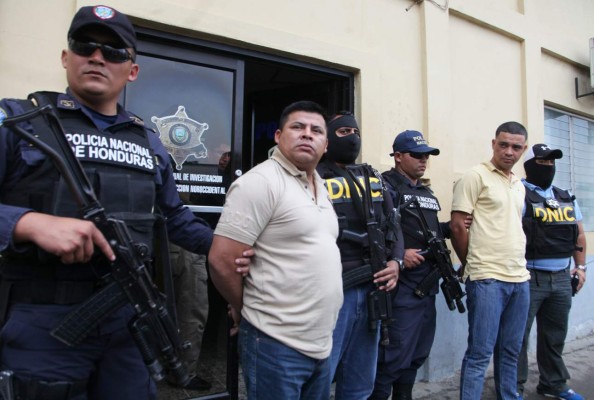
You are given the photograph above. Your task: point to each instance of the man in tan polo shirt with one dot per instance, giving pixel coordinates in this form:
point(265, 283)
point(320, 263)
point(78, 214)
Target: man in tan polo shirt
point(492, 253)
point(290, 299)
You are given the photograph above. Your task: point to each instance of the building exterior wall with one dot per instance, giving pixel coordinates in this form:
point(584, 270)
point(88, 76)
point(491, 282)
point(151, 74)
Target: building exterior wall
point(454, 74)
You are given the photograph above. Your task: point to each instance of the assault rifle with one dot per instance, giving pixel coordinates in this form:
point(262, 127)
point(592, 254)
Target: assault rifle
point(152, 328)
point(379, 302)
point(437, 252)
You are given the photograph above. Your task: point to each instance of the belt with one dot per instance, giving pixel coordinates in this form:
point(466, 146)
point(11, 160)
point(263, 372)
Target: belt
point(49, 292)
point(542, 271)
point(30, 389)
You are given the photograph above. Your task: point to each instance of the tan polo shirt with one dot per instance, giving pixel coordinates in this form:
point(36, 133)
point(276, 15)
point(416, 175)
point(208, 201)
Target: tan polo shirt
point(294, 288)
point(497, 243)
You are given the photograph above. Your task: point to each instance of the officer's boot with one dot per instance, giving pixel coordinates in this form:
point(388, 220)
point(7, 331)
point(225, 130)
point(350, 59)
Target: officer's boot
point(402, 391)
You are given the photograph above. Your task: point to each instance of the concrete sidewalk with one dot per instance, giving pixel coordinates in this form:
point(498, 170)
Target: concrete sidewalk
point(579, 359)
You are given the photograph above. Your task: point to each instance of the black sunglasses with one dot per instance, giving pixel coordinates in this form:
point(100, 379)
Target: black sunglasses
point(110, 54)
point(419, 156)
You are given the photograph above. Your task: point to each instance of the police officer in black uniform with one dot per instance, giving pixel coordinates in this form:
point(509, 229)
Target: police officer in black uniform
point(355, 346)
point(49, 261)
point(552, 222)
point(413, 329)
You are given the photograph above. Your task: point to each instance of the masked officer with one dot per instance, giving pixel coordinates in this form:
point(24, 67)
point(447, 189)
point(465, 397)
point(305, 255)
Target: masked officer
point(49, 264)
point(552, 222)
point(413, 329)
point(355, 346)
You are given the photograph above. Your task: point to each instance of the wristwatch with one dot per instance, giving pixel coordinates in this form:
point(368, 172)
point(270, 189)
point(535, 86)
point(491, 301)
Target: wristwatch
point(400, 263)
point(582, 267)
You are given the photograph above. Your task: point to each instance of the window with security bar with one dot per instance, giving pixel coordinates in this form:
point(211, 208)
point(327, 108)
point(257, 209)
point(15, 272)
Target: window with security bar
point(574, 135)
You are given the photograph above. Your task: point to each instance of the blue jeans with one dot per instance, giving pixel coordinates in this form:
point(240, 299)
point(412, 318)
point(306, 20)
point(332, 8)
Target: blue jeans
point(497, 313)
point(273, 371)
point(354, 347)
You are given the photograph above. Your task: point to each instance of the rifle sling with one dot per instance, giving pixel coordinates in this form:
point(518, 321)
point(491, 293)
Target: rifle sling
point(163, 272)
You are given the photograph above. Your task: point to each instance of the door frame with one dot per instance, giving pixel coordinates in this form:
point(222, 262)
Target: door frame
point(166, 45)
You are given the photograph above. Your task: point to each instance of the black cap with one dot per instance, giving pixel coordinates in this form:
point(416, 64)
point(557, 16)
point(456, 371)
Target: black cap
point(106, 17)
point(542, 151)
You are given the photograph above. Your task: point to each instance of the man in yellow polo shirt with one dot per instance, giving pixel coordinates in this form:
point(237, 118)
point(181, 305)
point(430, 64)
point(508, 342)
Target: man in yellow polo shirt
point(492, 253)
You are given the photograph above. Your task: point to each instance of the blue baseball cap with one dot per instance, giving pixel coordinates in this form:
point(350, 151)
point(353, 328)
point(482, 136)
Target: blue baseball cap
point(412, 142)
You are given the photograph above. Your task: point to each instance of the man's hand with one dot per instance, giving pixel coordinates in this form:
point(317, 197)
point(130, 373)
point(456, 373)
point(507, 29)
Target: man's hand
point(460, 274)
point(243, 263)
point(236, 317)
point(582, 278)
point(389, 275)
point(71, 239)
point(412, 258)
point(468, 221)
point(579, 256)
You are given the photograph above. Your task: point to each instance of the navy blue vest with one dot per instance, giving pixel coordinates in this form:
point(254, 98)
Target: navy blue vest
point(121, 167)
point(347, 205)
point(411, 227)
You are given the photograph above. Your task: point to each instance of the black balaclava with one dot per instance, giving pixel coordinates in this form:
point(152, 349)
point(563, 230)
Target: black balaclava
point(343, 150)
point(538, 174)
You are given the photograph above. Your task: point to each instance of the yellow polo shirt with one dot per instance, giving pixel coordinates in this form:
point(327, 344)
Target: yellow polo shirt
point(497, 244)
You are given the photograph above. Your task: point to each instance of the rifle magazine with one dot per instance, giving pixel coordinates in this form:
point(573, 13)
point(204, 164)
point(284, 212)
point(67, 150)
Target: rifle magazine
point(428, 282)
point(77, 325)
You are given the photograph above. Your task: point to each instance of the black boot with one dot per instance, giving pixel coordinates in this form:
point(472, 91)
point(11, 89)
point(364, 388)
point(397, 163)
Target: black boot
point(402, 391)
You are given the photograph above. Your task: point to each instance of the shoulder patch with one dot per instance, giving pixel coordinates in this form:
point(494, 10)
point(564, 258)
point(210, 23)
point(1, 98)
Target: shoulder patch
point(3, 115)
point(67, 103)
point(137, 120)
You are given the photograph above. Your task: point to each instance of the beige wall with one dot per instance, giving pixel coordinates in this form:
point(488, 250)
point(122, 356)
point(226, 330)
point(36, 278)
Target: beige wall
point(32, 35)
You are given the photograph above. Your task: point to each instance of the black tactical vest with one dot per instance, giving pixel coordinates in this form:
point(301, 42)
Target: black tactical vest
point(121, 167)
point(550, 225)
point(411, 227)
point(348, 207)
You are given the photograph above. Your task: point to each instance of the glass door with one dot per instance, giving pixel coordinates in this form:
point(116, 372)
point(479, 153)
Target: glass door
point(193, 101)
